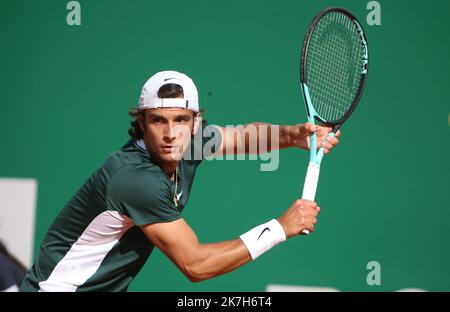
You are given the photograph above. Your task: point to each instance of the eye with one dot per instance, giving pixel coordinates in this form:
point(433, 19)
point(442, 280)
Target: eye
point(157, 120)
point(181, 120)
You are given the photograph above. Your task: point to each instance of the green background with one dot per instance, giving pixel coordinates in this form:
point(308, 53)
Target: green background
point(384, 191)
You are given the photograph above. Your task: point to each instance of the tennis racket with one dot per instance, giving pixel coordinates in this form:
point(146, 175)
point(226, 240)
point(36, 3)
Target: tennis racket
point(333, 72)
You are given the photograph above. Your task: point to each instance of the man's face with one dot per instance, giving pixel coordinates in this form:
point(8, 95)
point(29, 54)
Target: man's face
point(167, 132)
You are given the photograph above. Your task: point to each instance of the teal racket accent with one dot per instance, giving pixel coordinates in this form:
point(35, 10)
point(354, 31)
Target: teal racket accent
point(314, 157)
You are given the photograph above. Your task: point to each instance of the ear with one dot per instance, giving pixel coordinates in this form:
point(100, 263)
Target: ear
point(197, 122)
point(140, 119)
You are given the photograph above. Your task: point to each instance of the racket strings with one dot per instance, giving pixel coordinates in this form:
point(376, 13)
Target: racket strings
point(334, 63)
point(337, 48)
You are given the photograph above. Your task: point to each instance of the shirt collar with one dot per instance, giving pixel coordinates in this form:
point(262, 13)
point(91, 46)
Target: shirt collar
point(141, 144)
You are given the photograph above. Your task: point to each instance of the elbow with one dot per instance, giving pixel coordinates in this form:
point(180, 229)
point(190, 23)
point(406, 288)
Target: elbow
point(193, 279)
point(199, 267)
point(195, 273)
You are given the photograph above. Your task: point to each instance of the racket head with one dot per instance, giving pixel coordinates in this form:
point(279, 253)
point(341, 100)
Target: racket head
point(334, 66)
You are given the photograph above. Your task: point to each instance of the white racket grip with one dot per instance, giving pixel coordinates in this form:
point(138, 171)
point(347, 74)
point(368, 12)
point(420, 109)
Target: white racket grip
point(310, 186)
point(312, 177)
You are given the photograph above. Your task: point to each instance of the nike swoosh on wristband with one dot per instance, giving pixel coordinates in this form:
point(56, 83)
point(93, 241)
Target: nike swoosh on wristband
point(266, 229)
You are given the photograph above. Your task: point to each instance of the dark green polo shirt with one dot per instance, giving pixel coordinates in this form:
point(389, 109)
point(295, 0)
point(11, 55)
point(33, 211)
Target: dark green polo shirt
point(95, 243)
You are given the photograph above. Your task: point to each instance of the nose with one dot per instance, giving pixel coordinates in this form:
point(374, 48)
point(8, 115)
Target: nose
point(169, 134)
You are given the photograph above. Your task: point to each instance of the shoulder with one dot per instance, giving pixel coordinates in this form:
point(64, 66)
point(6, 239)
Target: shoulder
point(129, 171)
point(143, 193)
point(130, 153)
point(127, 159)
point(139, 179)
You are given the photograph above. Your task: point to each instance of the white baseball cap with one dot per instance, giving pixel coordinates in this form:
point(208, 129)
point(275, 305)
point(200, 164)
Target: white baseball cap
point(149, 95)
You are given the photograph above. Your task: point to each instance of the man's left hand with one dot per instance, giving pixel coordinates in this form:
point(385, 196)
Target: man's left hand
point(299, 136)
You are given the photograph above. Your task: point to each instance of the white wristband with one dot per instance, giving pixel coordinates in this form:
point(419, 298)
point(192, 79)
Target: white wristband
point(263, 237)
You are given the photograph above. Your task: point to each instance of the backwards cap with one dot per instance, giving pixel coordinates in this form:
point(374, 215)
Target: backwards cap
point(149, 95)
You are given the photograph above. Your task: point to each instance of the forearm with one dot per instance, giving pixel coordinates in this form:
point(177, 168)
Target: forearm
point(285, 137)
point(197, 261)
point(223, 257)
point(257, 138)
point(217, 258)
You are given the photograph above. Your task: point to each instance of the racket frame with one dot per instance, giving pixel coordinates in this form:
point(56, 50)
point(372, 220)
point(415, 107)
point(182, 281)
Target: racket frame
point(312, 174)
point(313, 116)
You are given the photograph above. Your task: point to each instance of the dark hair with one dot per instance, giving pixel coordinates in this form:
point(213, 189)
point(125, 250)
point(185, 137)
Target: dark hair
point(167, 91)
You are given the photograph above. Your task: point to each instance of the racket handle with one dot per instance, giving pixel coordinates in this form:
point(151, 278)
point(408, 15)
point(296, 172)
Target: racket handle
point(321, 150)
point(312, 177)
point(310, 186)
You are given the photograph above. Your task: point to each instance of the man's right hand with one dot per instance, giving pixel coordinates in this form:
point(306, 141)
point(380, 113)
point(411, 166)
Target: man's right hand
point(302, 215)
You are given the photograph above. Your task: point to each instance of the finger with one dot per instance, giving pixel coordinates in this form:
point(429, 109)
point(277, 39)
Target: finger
point(338, 134)
point(309, 228)
point(302, 220)
point(310, 127)
point(312, 212)
point(327, 145)
point(333, 140)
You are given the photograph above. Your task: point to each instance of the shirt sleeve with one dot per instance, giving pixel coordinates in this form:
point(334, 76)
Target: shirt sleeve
point(142, 194)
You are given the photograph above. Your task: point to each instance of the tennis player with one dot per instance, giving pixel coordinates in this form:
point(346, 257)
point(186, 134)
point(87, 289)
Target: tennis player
point(105, 233)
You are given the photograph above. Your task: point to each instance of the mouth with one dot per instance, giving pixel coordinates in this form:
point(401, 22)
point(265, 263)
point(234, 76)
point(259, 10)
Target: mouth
point(170, 149)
